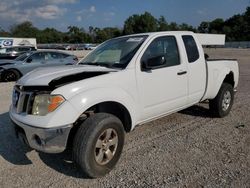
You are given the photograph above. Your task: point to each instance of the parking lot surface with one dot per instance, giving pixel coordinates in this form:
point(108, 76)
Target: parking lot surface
point(185, 149)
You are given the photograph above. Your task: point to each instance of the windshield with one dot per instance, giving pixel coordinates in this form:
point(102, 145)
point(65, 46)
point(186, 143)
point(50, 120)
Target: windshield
point(115, 53)
point(22, 57)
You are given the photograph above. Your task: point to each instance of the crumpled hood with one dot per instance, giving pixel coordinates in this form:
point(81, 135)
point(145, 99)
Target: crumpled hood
point(67, 74)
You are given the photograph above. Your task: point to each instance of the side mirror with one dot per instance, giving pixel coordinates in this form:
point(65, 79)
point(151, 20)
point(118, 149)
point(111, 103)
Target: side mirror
point(154, 63)
point(29, 60)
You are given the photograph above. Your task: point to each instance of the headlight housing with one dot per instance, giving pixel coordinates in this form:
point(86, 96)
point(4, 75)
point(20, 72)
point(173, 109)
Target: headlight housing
point(45, 103)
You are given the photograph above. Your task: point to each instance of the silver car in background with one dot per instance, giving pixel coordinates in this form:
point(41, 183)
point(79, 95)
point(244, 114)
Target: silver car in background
point(12, 70)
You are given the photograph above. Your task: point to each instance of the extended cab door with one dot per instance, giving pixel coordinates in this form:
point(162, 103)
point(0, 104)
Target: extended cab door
point(197, 74)
point(162, 78)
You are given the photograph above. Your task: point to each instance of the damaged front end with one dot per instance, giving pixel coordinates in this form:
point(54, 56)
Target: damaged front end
point(49, 140)
point(63, 80)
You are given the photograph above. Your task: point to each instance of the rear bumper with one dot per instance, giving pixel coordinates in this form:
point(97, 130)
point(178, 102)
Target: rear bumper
point(49, 140)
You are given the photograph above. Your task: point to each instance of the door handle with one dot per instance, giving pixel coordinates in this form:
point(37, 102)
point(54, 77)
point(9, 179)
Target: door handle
point(181, 73)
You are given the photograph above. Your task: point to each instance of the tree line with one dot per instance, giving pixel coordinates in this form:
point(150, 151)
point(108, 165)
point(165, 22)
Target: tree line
point(237, 28)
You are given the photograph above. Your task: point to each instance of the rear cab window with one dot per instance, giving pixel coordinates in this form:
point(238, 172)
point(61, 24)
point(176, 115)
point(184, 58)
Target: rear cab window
point(191, 48)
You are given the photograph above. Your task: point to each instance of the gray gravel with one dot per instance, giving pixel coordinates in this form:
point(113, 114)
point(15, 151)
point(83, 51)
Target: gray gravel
point(185, 149)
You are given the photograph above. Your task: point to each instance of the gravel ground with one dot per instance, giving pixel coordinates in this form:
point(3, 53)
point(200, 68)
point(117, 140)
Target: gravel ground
point(185, 149)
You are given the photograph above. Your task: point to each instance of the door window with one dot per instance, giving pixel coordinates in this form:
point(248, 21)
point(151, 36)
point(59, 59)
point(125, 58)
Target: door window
point(162, 52)
point(191, 48)
point(53, 55)
point(37, 57)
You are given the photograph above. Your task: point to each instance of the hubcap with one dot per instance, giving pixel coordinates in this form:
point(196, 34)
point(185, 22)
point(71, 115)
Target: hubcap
point(106, 146)
point(226, 101)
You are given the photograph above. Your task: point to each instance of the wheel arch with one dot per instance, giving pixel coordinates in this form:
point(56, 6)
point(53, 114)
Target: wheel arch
point(15, 70)
point(115, 108)
point(12, 69)
point(215, 82)
point(229, 78)
point(112, 107)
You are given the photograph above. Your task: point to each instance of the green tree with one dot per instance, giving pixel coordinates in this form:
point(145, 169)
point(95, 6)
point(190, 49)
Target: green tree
point(77, 35)
point(237, 27)
point(163, 24)
point(204, 27)
point(50, 35)
point(186, 27)
point(216, 26)
point(106, 33)
point(4, 33)
point(173, 26)
point(247, 24)
point(25, 29)
point(140, 23)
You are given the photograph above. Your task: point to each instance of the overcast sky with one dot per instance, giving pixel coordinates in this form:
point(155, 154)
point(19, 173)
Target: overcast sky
point(102, 13)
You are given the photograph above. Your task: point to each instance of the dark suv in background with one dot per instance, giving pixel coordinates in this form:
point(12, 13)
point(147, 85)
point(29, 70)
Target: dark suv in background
point(14, 51)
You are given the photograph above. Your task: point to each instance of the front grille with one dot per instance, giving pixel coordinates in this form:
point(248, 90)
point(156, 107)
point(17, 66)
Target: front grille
point(22, 101)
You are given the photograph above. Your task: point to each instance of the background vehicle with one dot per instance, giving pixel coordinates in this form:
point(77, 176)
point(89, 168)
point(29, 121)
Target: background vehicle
point(14, 51)
point(89, 46)
point(52, 46)
point(12, 70)
point(124, 82)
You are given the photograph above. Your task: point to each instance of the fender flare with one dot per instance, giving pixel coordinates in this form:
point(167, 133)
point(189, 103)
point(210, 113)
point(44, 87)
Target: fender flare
point(83, 101)
point(218, 82)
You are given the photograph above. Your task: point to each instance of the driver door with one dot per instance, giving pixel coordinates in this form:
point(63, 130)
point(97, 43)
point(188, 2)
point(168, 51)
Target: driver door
point(162, 78)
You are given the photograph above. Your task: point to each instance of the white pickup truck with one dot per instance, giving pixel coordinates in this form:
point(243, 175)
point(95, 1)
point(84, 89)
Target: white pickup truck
point(125, 82)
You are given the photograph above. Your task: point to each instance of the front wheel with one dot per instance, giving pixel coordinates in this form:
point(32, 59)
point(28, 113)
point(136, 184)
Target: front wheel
point(98, 144)
point(11, 75)
point(221, 105)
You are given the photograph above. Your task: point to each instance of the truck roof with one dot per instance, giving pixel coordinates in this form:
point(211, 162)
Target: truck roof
point(162, 32)
point(204, 38)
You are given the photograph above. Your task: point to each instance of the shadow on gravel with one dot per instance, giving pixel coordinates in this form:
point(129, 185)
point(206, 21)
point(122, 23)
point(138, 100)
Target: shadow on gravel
point(198, 111)
point(63, 163)
point(11, 149)
point(14, 151)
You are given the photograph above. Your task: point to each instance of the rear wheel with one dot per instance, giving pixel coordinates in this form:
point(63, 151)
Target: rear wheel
point(221, 105)
point(11, 75)
point(98, 144)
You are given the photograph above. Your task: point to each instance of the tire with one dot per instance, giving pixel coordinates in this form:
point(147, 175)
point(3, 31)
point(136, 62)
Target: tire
point(221, 105)
point(92, 145)
point(11, 75)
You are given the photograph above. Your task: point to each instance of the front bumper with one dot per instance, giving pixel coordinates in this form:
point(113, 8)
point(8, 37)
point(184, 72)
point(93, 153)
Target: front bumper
point(48, 140)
